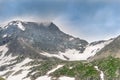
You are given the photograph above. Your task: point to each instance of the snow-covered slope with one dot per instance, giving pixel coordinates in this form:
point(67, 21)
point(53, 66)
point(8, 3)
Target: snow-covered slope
point(11, 69)
point(112, 49)
point(9, 66)
point(19, 67)
point(95, 47)
point(73, 54)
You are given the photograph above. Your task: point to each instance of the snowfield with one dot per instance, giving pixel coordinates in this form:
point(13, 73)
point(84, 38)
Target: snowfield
point(6, 60)
point(73, 54)
point(18, 67)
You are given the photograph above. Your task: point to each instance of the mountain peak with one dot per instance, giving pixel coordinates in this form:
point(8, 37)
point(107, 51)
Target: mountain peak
point(17, 23)
point(40, 36)
point(22, 25)
point(45, 23)
point(53, 27)
point(14, 22)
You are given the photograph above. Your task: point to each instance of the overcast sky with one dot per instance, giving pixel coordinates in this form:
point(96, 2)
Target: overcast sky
point(87, 19)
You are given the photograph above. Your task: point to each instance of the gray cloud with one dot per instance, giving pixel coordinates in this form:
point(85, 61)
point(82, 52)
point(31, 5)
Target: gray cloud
point(88, 19)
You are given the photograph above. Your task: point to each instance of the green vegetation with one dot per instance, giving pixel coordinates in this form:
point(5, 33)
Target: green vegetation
point(86, 71)
point(79, 70)
point(110, 66)
point(42, 67)
point(2, 78)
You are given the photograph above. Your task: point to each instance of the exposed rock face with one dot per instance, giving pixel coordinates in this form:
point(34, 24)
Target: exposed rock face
point(27, 38)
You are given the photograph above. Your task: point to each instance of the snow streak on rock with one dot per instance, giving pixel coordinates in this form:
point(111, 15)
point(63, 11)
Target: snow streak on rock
point(21, 26)
point(101, 72)
point(59, 66)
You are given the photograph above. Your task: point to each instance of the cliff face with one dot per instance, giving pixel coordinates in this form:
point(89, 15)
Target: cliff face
point(27, 38)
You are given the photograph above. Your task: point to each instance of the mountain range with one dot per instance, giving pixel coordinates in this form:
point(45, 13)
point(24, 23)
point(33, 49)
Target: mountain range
point(37, 51)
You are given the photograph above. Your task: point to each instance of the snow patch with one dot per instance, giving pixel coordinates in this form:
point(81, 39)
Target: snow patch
point(3, 51)
point(49, 78)
point(51, 71)
point(21, 26)
point(72, 54)
point(44, 78)
point(6, 60)
point(18, 77)
point(60, 56)
point(70, 39)
point(69, 54)
point(16, 23)
point(27, 79)
point(18, 67)
point(101, 72)
point(70, 67)
point(5, 35)
point(66, 78)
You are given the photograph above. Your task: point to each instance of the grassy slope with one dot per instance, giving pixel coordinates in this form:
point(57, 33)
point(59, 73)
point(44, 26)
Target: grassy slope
point(111, 67)
point(78, 69)
point(86, 71)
